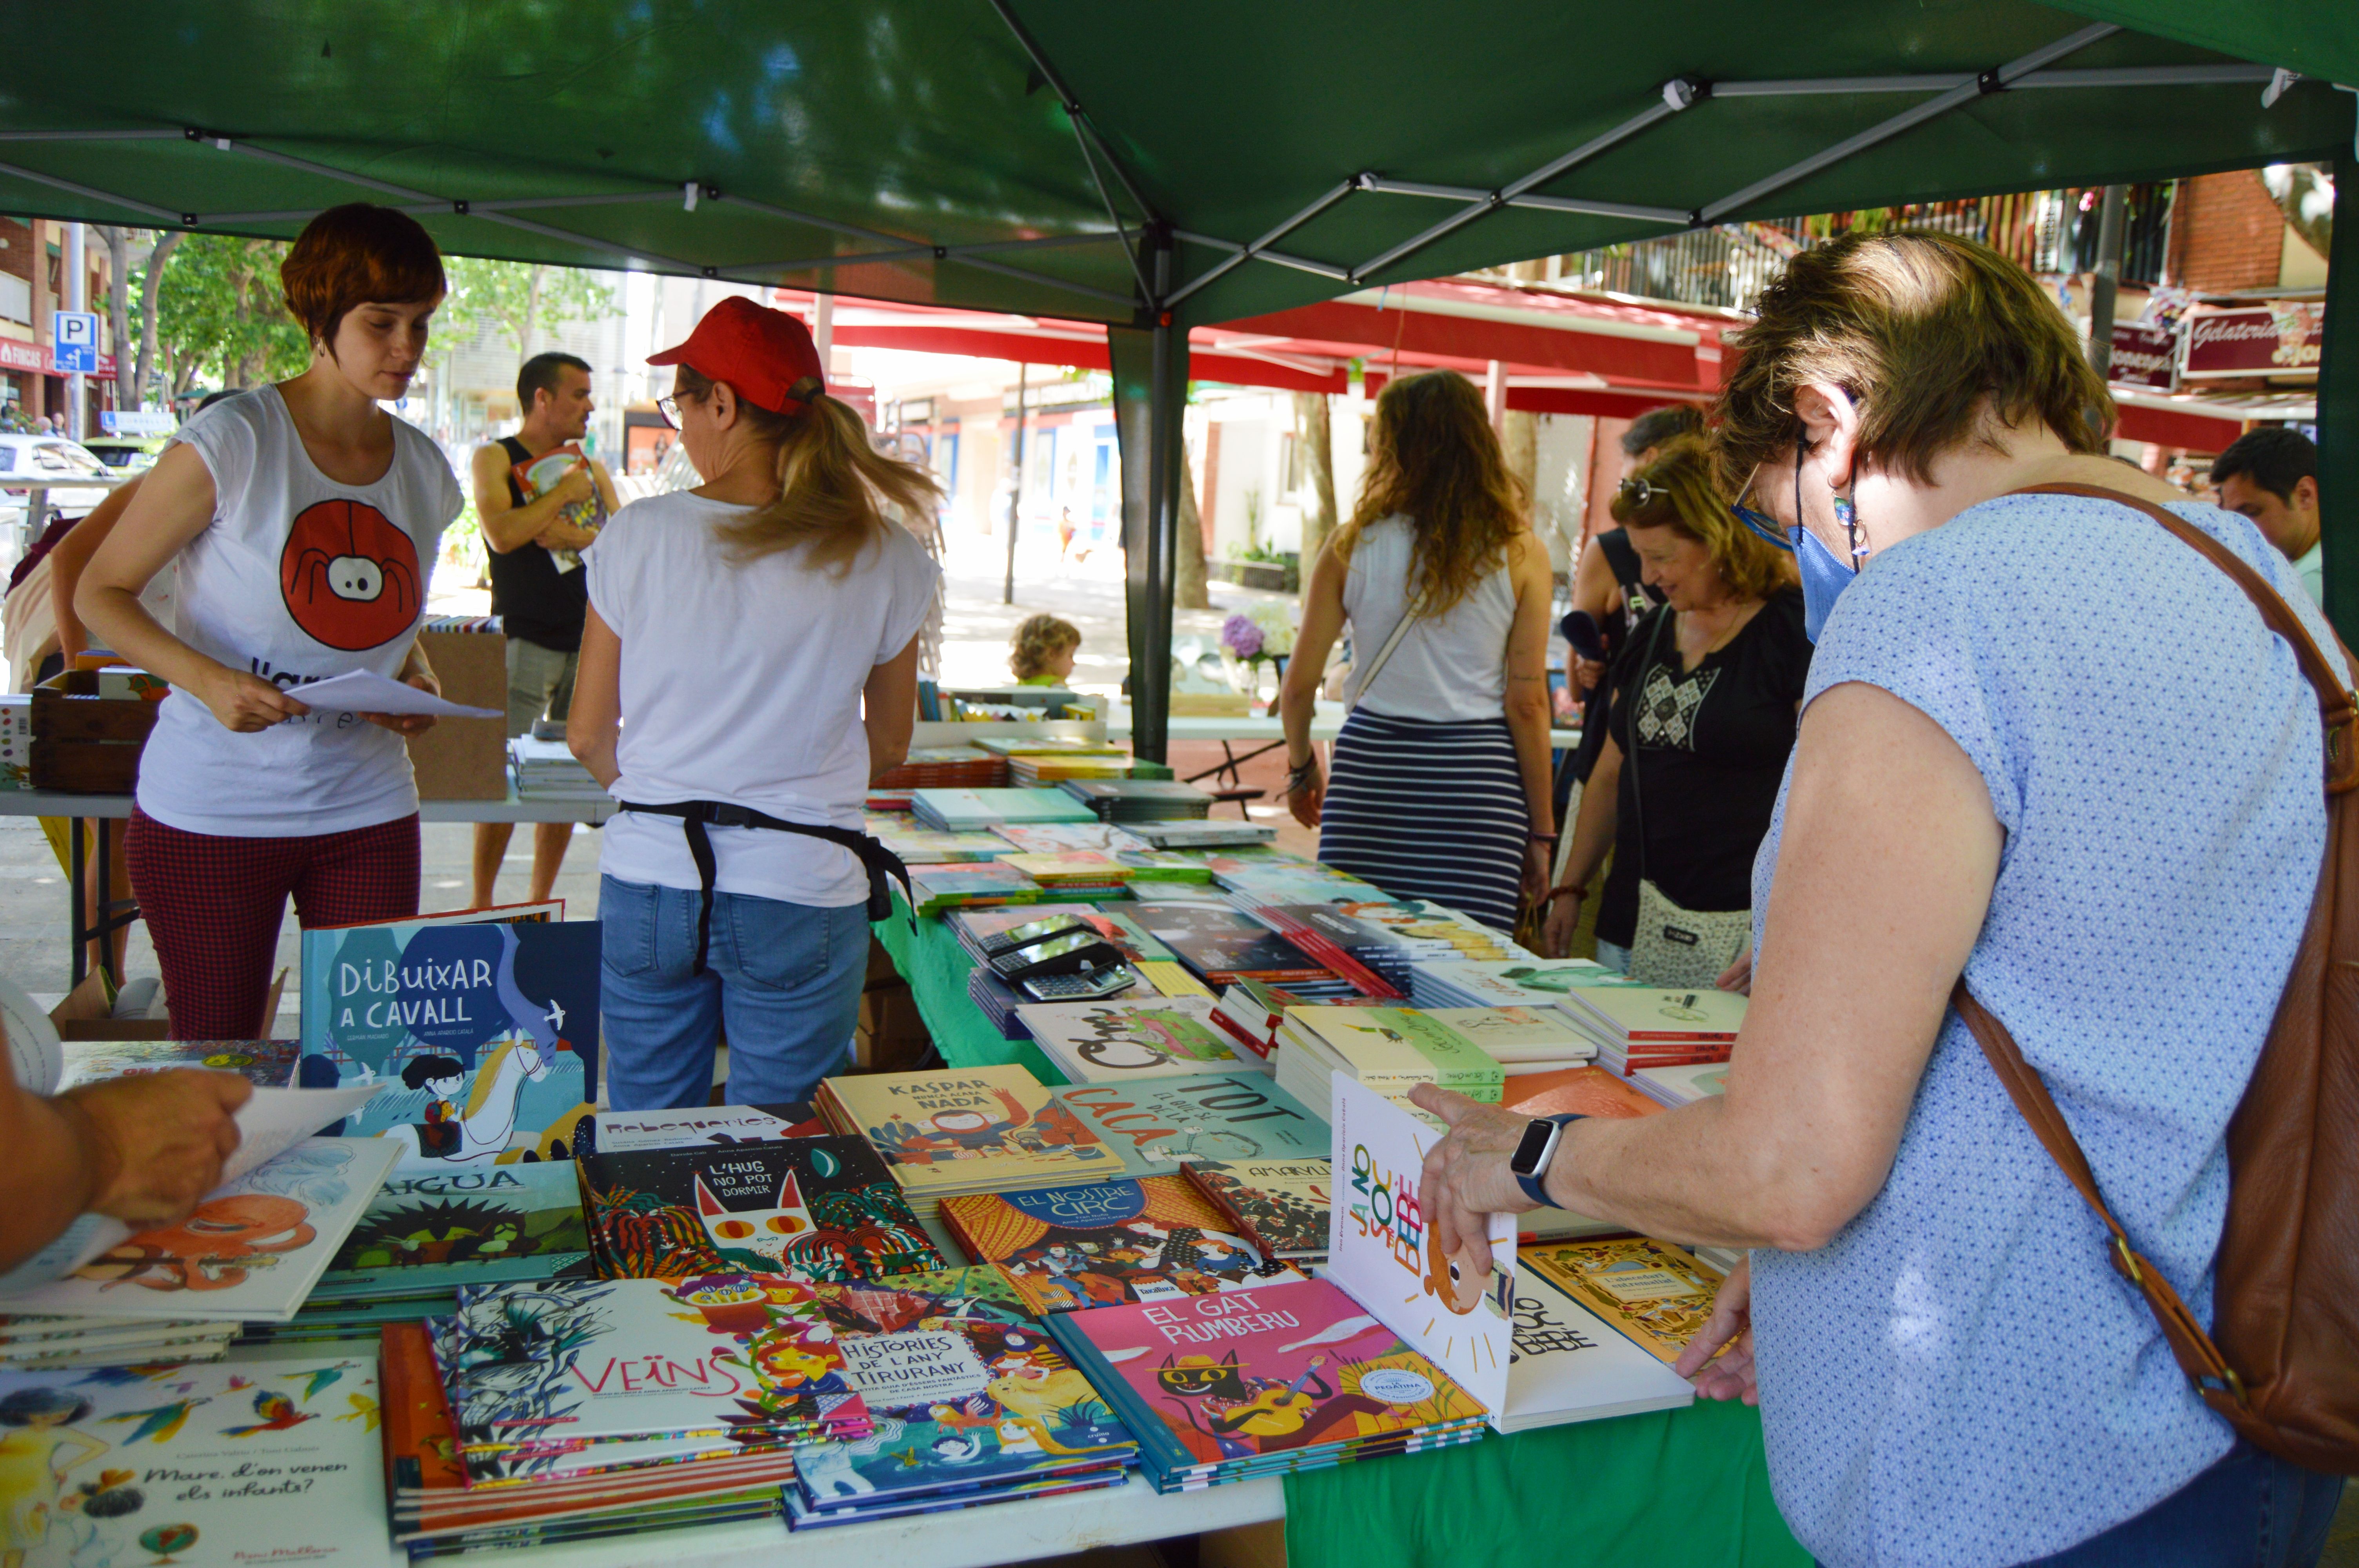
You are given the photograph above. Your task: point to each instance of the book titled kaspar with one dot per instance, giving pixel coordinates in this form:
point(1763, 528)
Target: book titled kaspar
point(483, 1037)
point(962, 1131)
point(810, 1208)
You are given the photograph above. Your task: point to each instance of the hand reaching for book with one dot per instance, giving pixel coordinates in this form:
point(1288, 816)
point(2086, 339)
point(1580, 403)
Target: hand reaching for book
point(1731, 1376)
point(1467, 1174)
point(155, 1142)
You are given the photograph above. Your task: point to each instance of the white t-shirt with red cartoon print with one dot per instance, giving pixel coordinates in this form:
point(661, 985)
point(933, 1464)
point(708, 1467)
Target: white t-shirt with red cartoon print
point(297, 578)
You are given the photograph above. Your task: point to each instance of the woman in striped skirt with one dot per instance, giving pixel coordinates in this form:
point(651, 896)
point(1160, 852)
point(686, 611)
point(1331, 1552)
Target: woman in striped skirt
point(1441, 785)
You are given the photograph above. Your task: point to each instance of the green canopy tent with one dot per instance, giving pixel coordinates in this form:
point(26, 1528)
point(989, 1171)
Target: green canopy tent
point(1151, 167)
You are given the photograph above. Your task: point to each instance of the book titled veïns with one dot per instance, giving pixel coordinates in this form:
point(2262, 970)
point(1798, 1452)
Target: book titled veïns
point(1107, 1242)
point(483, 1037)
point(810, 1208)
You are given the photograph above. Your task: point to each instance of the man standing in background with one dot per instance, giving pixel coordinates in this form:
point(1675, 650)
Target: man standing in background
point(2271, 476)
point(535, 523)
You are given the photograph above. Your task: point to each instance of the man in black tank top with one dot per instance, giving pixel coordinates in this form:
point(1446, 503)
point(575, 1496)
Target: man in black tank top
point(538, 584)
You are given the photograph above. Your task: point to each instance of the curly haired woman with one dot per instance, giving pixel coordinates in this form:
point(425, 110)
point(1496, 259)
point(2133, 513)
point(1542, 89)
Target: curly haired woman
point(1442, 788)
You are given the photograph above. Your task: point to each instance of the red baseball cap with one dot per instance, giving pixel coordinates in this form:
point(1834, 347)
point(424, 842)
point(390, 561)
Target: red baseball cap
point(767, 355)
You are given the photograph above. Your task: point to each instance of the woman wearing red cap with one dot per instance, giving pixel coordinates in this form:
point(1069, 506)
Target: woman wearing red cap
point(748, 665)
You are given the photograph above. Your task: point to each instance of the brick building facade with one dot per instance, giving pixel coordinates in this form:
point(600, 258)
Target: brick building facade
point(2228, 235)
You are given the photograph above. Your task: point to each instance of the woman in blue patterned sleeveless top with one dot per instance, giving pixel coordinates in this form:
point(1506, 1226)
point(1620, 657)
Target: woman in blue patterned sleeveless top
point(2000, 775)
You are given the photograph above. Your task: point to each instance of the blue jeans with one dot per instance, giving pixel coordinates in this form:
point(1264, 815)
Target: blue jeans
point(785, 977)
point(2249, 1510)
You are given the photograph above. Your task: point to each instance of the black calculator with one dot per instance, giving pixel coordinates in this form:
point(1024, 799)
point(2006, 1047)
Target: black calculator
point(1030, 932)
point(1090, 985)
point(1067, 953)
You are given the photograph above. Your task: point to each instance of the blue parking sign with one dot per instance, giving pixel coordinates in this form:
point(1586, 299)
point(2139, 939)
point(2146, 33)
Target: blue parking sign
point(74, 337)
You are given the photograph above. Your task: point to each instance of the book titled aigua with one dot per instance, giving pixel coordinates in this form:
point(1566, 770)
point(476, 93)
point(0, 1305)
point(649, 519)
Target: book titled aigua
point(434, 1231)
point(811, 1209)
point(482, 1037)
point(1108, 1242)
point(967, 1391)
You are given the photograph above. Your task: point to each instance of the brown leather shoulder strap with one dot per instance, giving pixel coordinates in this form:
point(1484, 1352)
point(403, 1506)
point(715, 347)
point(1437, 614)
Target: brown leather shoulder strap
point(2336, 704)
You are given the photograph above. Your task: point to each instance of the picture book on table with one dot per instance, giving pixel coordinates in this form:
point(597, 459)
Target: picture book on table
point(819, 1208)
point(1055, 837)
point(1535, 1356)
point(1381, 1248)
point(1537, 982)
point(1586, 1091)
point(1433, 930)
point(265, 1064)
point(1107, 1242)
point(1099, 1041)
point(1656, 1293)
point(1223, 944)
point(258, 1457)
point(1156, 1124)
point(483, 1037)
point(438, 1230)
point(252, 1249)
point(960, 1128)
point(966, 1391)
point(748, 1356)
point(1206, 1382)
point(1280, 1205)
point(621, 1131)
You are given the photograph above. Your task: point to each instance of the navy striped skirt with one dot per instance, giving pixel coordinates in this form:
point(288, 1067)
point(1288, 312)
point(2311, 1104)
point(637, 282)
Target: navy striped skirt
point(1430, 810)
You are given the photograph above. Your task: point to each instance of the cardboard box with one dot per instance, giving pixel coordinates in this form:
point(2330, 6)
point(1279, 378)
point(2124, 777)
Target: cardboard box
point(84, 741)
point(465, 759)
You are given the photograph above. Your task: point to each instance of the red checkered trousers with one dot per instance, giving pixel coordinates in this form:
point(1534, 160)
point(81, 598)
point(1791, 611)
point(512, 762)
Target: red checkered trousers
point(214, 905)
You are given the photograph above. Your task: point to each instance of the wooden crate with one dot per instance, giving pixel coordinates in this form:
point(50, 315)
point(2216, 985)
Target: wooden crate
point(84, 743)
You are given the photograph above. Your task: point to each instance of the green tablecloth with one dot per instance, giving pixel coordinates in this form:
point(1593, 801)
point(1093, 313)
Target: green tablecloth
point(936, 967)
point(1669, 1491)
point(1687, 1488)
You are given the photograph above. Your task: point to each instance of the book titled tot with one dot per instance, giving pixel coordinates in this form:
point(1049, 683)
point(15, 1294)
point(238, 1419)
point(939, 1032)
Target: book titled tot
point(1528, 1351)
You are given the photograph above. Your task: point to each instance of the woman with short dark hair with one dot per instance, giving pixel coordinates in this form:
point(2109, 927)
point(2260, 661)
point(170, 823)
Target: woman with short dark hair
point(305, 520)
point(1998, 780)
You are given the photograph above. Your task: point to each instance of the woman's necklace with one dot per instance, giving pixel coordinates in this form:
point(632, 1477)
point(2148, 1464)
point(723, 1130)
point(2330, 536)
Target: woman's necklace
point(1738, 617)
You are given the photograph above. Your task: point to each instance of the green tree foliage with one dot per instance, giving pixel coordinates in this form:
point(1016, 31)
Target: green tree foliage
point(219, 314)
point(521, 301)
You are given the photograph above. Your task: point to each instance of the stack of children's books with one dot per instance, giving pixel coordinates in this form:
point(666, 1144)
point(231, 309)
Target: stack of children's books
point(1532, 1353)
point(1030, 769)
point(265, 1064)
point(565, 1379)
point(1389, 1049)
point(1099, 1243)
point(1292, 1375)
point(1252, 1011)
point(821, 1210)
point(1434, 932)
point(1072, 874)
point(1055, 837)
point(1506, 982)
point(1520, 1038)
point(1110, 1042)
point(1675, 1087)
point(1203, 834)
point(976, 1129)
point(899, 832)
point(1636, 1028)
point(980, 810)
point(945, 767)
point(1139, 800)
point(972, 1401)
point(1157, 1125)
point(546, 770)
point(263, 1456)
point(970, 885)
point(443, 1502)
point(1222, 945)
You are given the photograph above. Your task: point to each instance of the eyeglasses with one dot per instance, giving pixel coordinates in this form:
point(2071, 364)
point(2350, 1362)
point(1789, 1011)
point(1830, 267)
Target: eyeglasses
point(1761, 523)
point(669, 406)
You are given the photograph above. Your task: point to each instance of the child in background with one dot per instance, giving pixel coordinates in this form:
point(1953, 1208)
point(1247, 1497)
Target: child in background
point(1041, 652)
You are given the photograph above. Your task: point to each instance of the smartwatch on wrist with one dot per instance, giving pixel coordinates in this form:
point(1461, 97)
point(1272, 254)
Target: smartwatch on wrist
point(1529, 1163)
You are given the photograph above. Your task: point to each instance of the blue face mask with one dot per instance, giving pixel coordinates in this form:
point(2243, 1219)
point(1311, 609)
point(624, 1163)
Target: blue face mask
point(1825, 573)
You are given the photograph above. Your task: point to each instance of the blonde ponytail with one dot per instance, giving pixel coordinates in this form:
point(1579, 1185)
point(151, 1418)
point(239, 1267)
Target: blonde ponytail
point(832, 483)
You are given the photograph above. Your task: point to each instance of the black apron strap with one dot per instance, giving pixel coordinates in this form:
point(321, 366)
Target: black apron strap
point(882, 866)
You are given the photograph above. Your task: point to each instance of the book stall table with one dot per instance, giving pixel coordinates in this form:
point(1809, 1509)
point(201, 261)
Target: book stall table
point(79, 808)
point(1681, 1488)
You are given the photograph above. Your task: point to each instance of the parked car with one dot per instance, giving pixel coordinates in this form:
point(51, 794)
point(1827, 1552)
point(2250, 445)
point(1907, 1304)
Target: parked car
point(127, 454)
point(50, 459)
